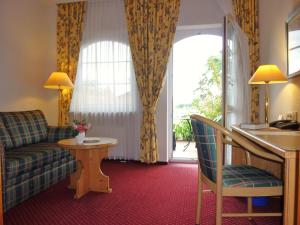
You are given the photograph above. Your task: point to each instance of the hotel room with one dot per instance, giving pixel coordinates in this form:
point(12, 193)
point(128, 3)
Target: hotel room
point(97, 97)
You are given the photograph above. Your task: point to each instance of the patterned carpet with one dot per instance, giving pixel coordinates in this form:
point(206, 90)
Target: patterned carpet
point(142, 194)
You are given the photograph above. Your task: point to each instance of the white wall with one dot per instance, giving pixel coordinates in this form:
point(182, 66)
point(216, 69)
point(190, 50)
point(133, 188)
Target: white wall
point(27, 56)
point(197, 12)
point(273, 15)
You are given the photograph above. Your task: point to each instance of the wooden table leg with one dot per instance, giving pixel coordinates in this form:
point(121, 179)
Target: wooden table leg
point(98, 181)
point(289, 191)
point(80, 179)
point(89, 176)
point(74, 176)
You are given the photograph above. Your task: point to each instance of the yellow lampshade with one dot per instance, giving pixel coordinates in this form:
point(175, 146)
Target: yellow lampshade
point(268, 74)
point(58, 80)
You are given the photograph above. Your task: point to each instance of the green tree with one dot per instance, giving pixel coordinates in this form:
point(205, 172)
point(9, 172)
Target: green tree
point(182, 130)
point(209, 100)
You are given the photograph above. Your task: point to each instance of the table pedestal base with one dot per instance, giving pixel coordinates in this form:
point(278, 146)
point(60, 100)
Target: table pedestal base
point(88, 176)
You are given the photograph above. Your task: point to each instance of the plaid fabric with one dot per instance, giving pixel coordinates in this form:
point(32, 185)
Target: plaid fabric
point(4, 136)
point(57, 133)
point(25, 127)
point(18, 193)
point(8, 182)
point(206, 148)
point(248, 176)
point(30, 157)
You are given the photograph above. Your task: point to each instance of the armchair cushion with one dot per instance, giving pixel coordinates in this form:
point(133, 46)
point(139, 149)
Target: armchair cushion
point(26, 127)
point(248, 176)
point(57, 133)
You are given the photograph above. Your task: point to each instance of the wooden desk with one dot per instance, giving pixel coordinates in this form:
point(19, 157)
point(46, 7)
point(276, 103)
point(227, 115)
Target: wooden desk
point(285, 144)
point(88, 176)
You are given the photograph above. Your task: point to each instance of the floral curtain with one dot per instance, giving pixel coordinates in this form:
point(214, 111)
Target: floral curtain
point(69, 29)
point(151, 29)
point(246, 13)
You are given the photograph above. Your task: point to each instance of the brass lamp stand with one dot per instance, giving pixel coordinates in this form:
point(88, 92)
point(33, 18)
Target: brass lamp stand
point(60, 113)
point(267, 99)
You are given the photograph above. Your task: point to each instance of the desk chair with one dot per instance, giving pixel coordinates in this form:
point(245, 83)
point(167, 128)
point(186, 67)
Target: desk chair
point(230, 180)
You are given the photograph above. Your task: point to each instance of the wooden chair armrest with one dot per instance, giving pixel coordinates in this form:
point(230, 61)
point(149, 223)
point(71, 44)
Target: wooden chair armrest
point(237, 146)
point(254, 148)
point(229, 142)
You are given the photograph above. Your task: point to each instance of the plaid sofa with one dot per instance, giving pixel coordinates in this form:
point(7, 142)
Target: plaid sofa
point(32, 161)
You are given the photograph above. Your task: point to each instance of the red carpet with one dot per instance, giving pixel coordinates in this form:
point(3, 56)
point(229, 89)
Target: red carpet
point(142, 194)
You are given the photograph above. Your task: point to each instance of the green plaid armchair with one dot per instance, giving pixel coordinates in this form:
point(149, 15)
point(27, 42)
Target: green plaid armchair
point(230, 180)
point(32, 161)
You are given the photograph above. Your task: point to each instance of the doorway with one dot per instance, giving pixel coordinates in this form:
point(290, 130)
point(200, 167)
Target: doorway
point(197, 83)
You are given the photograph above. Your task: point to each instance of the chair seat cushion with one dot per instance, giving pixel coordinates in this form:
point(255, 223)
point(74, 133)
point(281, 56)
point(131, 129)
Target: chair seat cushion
point(30, 157)
point(248, 176)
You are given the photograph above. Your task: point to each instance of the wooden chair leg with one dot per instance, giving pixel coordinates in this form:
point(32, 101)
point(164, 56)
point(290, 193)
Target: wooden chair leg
point(250, 209)
point(219, 209)
point(219, 176)
point(199, 197)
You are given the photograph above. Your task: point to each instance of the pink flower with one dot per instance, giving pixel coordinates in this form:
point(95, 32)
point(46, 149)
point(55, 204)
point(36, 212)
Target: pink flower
point(81, 126)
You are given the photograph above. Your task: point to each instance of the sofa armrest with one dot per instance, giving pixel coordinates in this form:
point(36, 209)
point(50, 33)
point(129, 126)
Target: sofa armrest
point(56, 133)
point(2, 151)
point(2, 181)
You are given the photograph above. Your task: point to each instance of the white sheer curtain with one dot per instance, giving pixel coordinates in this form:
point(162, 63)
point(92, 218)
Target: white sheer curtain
point(237, 76)
point(105, 90)
point(237, 73)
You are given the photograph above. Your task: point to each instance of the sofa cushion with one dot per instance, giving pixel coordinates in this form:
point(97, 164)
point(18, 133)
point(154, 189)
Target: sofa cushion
point(4, 136)
point(25, 127)
point(25, 176)
point(30, 157)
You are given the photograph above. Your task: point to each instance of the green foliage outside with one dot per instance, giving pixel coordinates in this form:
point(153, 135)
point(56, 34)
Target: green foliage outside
point(208, 102)
point(182, 130)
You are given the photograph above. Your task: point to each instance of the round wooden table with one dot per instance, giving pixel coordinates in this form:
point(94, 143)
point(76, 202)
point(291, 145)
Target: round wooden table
point(88, 176)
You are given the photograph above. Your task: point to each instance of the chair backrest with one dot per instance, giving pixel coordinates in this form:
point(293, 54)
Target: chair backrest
point(205, 137)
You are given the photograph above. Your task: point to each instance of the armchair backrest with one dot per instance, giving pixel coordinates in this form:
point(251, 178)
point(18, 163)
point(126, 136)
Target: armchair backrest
point(208, 133)
point(205, 137)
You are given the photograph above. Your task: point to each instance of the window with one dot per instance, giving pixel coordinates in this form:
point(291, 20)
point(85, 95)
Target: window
point(105, 80)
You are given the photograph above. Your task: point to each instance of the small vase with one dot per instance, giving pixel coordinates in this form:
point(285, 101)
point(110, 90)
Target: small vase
point(80, 137)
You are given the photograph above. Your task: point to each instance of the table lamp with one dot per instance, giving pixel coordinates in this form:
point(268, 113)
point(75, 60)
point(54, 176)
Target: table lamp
point(267, 74)
point(59, 81)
